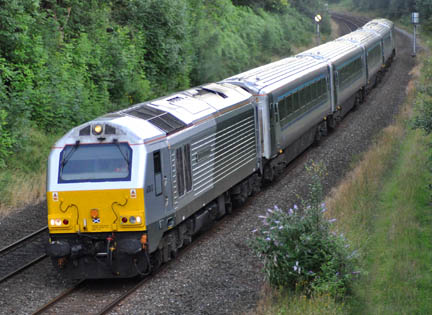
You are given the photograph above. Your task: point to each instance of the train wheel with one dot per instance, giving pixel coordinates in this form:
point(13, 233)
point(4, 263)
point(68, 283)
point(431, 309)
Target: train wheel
point(331, 122)
point(268, 174)
point(228, 203)
point(317, 138)
point(156, 260)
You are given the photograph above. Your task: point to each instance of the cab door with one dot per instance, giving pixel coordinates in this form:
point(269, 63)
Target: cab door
point(160, 179)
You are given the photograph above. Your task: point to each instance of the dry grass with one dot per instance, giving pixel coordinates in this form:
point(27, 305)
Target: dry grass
point(275, 302)
point(23, 191)
point(23, 182)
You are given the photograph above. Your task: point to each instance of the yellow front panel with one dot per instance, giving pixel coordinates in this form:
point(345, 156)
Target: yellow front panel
point(96, 211)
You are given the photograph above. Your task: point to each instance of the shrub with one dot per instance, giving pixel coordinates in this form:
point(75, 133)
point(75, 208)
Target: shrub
point(6, 139)
point(301, 253)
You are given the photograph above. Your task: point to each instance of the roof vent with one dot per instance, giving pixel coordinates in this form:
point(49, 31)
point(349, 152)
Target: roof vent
point(161, 119)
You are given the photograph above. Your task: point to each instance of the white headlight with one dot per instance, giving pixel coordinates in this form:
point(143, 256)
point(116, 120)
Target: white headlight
point(52, 222)
point(138, 220)
point(132, 219)
point(57, 222)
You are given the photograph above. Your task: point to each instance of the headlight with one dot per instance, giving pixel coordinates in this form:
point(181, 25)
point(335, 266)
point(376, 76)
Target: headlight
point(97, 129)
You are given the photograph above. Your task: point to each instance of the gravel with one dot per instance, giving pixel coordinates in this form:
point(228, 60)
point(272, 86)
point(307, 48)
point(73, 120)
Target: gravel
point(220, 275)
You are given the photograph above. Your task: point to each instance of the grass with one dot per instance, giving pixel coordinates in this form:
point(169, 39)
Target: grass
point(399, 248)
point(281, 303)
point(23, 182)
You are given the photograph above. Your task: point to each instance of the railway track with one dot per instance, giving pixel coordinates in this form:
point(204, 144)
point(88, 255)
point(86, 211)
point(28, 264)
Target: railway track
point(349, 23)
point(65, 302)
point(22, 254)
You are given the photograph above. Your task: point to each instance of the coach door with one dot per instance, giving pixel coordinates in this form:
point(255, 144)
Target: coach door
point(274, 127)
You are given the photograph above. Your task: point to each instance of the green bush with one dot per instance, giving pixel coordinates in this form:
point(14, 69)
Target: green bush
point(6, 139)
point(301, 253)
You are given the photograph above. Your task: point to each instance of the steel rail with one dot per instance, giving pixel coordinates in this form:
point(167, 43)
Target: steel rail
point(31, 263)
point(58, 298)
point(21, 240)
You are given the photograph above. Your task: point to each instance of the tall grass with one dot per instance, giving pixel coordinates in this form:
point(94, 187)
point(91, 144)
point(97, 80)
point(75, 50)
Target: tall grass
point(24, 181)
point(398, 254)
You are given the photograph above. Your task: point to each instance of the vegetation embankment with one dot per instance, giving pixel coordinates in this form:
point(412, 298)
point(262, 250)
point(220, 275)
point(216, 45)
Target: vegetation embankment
point(65, 62)
point(383, 208)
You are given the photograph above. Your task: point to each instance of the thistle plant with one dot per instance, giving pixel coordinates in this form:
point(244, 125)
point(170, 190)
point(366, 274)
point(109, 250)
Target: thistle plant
point(300, 251)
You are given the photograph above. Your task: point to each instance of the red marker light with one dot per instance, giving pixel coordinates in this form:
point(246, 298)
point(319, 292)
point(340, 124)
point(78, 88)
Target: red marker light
point(124, 219)
point(65, 221)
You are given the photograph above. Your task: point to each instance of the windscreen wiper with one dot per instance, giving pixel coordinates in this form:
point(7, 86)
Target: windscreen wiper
point(115, 141)
point(69, 155)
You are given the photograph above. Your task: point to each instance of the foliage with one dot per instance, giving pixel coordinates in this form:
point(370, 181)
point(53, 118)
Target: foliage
point(6, 140)
point(423, 100)
point(300, 251)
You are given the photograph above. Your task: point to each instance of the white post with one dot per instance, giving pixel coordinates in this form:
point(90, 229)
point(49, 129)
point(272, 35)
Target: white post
point(318, 19)
point(415, 19)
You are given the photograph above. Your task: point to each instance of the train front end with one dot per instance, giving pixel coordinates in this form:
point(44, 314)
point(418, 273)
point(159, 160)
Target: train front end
point(96, 209)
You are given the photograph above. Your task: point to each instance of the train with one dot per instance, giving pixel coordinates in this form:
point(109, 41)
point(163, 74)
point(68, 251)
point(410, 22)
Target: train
point(127, 190)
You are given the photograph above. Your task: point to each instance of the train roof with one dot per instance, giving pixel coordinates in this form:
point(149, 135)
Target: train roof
point(157, 118)
point(361, 37)
point(380, 26)
point(270, 77)
point(334, 51)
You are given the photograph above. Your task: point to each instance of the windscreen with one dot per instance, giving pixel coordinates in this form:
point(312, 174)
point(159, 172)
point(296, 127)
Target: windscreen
point(95, 162)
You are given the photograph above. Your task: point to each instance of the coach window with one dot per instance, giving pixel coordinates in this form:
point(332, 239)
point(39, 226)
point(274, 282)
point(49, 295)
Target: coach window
point(157, 172)
point(289, 104)
point(283, 110)
point(295, 101)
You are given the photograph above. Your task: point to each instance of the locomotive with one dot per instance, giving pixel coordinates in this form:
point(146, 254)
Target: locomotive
point(127, 190)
